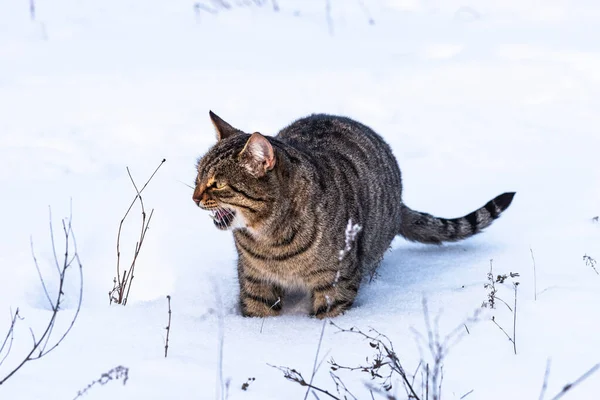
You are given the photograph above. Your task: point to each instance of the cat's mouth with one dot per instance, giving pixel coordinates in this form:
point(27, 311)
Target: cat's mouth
point(222, 217)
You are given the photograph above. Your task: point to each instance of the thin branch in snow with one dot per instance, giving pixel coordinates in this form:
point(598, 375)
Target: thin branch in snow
point(534, 276)
point(39, 272)
point(39, 347)
point(168, 328)
point(590, 262)
point(122, 282)
point(292, 375)
point(270, 308)
point(514, 338)
point(545, 383)
point(9, 335)
point(492, 297)
point(117, 373)
point(222, 392)
point(32, 9)
point(314, 370)
point(385, 358)
point(570, 386)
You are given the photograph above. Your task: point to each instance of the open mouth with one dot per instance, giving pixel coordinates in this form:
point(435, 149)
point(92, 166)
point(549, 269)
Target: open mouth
point(222, 217)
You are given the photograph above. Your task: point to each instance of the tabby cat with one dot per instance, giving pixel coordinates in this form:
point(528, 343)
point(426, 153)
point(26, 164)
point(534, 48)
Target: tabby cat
point(289, 198)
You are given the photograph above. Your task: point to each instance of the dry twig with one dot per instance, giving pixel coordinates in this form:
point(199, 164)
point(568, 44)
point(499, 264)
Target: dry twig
point(295, 376)
point(534, 276)
point(570, 386)
point(41, 344)
point(168, 328)
point(116, 373)
point(492, 297)
point(386, 357)
point(590, 262)
point(122, 282)
point(9, 335)
point(545, 384)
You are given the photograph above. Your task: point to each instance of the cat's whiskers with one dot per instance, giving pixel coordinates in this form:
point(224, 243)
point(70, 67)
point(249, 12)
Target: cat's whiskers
point(232, 218)
point(185, 184)
point(220, 215)
point(225, 216)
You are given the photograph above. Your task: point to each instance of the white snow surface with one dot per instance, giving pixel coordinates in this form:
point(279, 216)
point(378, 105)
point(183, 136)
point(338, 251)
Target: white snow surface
point(475, 99)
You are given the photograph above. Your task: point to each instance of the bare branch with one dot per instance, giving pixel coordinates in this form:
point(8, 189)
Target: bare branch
point(116, 373)
point(37, 268)
point(168, 328)
point(386, 356)
point(292, 375)
point(571, 385)
point(545, 384)
point(262, 324)
point(9, 335)
point(590, 262)
point(122, 282)
point(514, 338)
point(56, 263)
point(38, 349)
point(534, 276)
point(80, 297)
point(492, 297)
point(339, 383)
point(314, 370)
point(502, 329)
point(32, 9)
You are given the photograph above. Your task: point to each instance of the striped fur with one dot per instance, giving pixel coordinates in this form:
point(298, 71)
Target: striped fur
point(289, 198)
point(421, 227)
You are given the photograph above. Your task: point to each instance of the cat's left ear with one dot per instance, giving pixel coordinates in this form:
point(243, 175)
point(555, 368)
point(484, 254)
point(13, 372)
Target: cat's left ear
point(258, 155)
point(224, 130)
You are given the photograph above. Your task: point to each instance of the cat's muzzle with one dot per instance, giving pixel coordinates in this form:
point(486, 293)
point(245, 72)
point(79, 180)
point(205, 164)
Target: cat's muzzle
point(223, 217)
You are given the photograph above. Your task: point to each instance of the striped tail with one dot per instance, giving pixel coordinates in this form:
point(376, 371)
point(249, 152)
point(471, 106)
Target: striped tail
point(425, 228)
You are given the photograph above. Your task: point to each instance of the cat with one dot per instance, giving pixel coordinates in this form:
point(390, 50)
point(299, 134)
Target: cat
point(290, 198)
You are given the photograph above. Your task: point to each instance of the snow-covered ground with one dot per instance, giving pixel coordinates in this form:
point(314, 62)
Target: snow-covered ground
point(475, 99)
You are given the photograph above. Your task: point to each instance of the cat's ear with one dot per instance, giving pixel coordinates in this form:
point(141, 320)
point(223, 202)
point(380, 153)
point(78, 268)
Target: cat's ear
point(224, 130)
point(258, 155)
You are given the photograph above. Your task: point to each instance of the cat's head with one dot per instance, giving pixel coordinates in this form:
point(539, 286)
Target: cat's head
point(235, 179)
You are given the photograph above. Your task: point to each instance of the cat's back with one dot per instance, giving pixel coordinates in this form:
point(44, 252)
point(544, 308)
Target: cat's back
point(343, 145)
point(324, 132)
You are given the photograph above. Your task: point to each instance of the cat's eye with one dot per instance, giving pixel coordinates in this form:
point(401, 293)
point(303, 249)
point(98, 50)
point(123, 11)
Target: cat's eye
point(218, 185)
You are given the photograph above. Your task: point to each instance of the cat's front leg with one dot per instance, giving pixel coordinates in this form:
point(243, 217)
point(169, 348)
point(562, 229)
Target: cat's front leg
point(259, 298)
point(333, 292)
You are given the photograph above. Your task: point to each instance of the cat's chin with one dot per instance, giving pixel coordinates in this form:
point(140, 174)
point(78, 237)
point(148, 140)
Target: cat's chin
point(222, 226)
point(223, 218)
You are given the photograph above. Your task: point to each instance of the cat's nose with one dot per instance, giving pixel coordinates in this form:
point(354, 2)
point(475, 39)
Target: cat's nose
point(197, 197)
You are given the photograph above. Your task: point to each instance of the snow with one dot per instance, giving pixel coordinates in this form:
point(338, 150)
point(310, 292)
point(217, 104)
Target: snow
point(475, 99)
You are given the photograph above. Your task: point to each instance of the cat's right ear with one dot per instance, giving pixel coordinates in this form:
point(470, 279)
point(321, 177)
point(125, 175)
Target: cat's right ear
point(224, 130)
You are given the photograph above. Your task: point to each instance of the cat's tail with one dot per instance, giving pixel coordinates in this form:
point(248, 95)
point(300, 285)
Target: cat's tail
point(425, 228)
